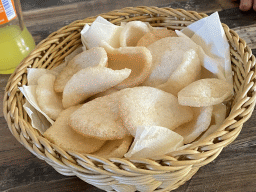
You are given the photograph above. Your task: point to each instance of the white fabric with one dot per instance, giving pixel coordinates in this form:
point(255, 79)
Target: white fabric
point(214, 53)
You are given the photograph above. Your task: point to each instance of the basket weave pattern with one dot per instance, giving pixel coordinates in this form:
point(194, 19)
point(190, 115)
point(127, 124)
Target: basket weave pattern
point(119, 174)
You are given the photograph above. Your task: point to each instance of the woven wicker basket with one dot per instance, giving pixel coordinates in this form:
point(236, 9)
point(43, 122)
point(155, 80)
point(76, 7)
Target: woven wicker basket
point(119, 174)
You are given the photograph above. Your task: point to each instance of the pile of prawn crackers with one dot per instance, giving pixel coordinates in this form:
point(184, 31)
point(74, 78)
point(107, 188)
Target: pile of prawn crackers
point(127, 81)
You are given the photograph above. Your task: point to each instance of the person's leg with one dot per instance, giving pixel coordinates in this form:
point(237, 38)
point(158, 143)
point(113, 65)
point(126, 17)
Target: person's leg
point(246, 5)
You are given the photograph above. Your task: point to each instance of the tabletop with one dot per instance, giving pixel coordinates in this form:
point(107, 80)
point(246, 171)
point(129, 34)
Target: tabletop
point(234, 170)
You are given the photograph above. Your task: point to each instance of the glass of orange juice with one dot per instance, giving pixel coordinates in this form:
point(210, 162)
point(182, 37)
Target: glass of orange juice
point(15, 40)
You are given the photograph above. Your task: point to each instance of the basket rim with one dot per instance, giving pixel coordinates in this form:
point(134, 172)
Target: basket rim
point(196, 155)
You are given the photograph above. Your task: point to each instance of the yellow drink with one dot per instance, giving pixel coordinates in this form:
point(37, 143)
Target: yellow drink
point(15, 45)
